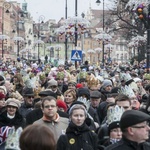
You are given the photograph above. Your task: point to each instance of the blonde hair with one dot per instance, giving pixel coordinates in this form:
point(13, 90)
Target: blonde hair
point(72, 92)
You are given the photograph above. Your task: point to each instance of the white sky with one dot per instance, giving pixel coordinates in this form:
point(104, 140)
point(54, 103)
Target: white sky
point(55, 9)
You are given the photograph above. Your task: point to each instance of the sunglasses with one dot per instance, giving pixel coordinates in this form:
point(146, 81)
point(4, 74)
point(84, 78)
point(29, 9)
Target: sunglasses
point(30, 96)
point(53, 86)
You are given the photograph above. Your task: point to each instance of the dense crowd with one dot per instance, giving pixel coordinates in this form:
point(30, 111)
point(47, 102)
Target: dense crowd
point(67, 107)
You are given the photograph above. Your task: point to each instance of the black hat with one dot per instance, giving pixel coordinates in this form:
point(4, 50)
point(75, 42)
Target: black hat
point(84, 91)
point(113, 125)
point(95, 94)
point(48, 93)
point(132, 117)
point(28, 92)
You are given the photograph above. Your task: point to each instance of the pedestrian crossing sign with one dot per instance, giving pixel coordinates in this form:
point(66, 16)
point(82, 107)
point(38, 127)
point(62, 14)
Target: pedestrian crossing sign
point(76, 55)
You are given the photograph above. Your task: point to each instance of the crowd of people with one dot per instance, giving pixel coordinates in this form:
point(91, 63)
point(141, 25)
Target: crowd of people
point(69, 107)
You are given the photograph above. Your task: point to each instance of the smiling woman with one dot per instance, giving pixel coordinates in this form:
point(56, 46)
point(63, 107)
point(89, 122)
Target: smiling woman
point(11, 117)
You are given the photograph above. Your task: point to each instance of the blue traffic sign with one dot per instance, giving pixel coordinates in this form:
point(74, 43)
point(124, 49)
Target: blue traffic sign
point(76, 55)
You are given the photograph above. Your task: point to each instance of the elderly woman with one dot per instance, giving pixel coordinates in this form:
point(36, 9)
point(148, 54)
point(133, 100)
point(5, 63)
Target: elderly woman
point(11, 117)
point(69, 97)
point(78, 136)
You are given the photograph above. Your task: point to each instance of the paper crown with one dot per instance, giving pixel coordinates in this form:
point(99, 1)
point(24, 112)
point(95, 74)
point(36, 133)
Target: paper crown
point(86, 102)
point(12, 141)
point(42, 76)
point(125, 76)
point(127, 90)
point(114, 114)
point(72, 68)
point(82, 74)
point(60, 75)
point(146, 76)
point(92, 82)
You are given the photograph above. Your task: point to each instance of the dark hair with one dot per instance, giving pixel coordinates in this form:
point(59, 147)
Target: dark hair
point(122, 97)
point(47, 98)
point(37, 137)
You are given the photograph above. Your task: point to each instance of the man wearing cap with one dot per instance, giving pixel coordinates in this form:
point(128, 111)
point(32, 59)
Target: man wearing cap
point(135, 131)
point(95, 98)
point(27, 105)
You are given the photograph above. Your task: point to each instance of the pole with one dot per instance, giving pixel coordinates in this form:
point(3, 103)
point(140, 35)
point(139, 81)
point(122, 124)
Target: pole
point(76, 30)
point(66, 40)
point(2, 31)
point(18, 35)
point(103, 39)
point(38, 41)
point(148, 51)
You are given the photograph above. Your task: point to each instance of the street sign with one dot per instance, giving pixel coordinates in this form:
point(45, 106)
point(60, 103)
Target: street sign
point(76, 55)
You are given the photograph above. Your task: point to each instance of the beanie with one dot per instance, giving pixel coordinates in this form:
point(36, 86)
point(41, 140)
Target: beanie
point(106, 83)
point(61, 104)
point(84, 91)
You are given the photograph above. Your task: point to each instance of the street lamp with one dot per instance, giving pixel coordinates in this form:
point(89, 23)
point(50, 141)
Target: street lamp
point(66, 39)
point(41, 21)
point(98, 3)
point(6, 7)
point(142, 10)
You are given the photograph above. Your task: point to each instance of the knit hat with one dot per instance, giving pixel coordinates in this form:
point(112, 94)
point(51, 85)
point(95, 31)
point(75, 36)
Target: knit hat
point(61, 104)
point(4, 89)
point(79, 85)
point(106, 83)
point(84, 91)
point(137, 80)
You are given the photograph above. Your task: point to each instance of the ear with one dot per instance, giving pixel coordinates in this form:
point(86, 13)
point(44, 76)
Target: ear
point(130, 130)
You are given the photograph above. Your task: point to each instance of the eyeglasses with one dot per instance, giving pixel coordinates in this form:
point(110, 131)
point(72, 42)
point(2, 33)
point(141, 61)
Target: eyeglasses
point(50, 106)
point(142, 126)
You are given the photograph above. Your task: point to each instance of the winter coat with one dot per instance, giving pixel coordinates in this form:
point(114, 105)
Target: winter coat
point(126, 144)
point(17, 121)
point(78, 138)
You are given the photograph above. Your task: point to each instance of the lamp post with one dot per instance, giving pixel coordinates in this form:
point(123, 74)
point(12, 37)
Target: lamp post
point(98, 3)
point(6, 6)
point(41, 20)
point(66, 39)
point(142, 10)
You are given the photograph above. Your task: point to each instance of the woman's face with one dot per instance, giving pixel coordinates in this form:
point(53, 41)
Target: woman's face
point(116, 133)
point(2, 102)
point(78, 117)
point(11, 110)
point(69, 98)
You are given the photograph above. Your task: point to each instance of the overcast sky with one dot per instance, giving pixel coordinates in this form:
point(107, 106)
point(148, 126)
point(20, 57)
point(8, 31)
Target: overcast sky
point(55, 9)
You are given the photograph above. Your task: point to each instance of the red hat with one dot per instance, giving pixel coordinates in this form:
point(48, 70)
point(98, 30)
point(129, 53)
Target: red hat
point(2, 95)
point(61, 104)
point(79, 85)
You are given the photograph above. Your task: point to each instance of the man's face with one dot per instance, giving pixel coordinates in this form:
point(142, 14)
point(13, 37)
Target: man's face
point(140, 132)
point(125, 104)
point(95, 102)
point(50, 109)
point(108, 88)
point(29, 100)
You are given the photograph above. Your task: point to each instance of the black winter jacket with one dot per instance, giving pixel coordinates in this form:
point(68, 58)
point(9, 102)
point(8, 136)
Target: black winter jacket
point(78, 138)
point(17, 121)
point(126, 144)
